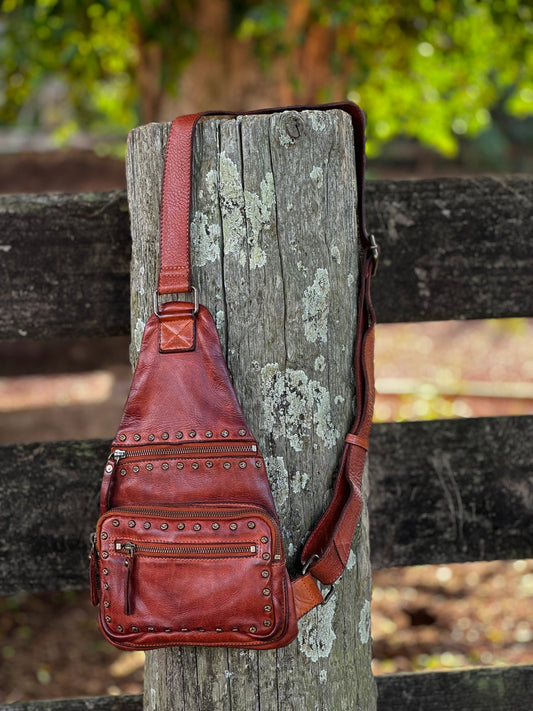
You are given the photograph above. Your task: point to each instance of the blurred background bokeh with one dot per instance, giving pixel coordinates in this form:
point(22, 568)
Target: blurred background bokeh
point(447, 88)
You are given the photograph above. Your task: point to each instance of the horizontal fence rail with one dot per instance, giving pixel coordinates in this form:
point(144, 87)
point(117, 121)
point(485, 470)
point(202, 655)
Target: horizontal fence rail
point(497, 689)
point(441, 492)
point(452, 248)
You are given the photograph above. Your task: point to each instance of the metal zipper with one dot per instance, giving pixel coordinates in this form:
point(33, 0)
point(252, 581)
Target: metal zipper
point(178, 450)
point(186, 549)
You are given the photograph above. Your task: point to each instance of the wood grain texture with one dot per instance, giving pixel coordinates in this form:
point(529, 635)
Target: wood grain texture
point(91, 703)
point(49, 504)
point(412, 521)
point(64, 264)
point(452, 248)
point(274, 255)
point(451, 491)
point(497, 689)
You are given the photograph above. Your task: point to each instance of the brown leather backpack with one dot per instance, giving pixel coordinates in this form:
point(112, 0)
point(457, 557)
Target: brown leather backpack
point(197, 558)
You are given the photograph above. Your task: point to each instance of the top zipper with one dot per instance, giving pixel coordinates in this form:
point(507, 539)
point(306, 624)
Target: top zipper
point(178, 450)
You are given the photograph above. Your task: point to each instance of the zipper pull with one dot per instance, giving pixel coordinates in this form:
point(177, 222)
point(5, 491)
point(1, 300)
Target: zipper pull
point(117, 455)
point(129, 548)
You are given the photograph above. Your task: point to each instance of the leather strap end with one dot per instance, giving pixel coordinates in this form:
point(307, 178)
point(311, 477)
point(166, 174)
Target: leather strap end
point(357, 441)
point(306, 594)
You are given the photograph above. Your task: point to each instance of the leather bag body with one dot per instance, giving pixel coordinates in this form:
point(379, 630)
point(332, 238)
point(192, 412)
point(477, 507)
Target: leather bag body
point(188, 548)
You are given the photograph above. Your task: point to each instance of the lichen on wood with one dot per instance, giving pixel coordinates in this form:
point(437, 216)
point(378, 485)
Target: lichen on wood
point(273, 246)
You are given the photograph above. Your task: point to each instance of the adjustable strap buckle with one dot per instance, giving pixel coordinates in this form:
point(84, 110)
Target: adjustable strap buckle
point(375, 253)
point(194, 291)
point(306, 567)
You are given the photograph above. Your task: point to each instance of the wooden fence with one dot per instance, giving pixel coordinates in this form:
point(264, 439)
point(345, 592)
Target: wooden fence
point(452, 249)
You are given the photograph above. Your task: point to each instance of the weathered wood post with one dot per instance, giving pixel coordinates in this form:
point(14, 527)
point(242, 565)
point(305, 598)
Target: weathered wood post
point(274, 252)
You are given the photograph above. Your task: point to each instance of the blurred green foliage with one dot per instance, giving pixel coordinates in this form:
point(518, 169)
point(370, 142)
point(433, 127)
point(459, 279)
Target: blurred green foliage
point(433, 71)
point(420, 68)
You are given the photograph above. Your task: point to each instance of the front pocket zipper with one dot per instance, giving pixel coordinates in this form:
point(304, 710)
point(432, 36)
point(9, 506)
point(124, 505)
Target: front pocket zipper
point(184, 550)
point(199, 513)
point(175, 550)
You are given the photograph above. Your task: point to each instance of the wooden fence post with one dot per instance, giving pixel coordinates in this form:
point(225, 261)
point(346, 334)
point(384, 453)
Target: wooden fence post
point(275, 260)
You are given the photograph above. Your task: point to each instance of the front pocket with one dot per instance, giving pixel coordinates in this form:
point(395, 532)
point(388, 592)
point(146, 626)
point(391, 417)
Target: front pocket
point(182, 550)
point(198, 574)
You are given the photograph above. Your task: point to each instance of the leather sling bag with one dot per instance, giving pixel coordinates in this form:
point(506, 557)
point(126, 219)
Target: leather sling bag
point(187, 550)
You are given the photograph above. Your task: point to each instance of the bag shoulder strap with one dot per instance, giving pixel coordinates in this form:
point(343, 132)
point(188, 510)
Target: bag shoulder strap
point(326, 551)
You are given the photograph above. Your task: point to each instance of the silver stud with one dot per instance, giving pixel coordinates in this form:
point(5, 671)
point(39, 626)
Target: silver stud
point(104, 535)
point(266, 556)
point(107, 618)
point(266, 592)
point(167, 629)
point(120, 628)
point(251, 524)
point(201, 629)
point(215, 526)
point(109, 468)
point(195, 465)
point(179, 465)
point(151, 437)
point(122, 472)
point(164, 466)
point(258, 464)
point(116, 522)
point(181, 526)
point(179, 435)
point(122, 437)
point(147, 525)
point(267, 623)
point(224, 433)
point(242, 465)
point(150, 629)
point(136, 437)
point(209, 465)
point(227, 465)
point(106, 603)
point(233, 526)
point(209, 434)
point(184, 629)
point(242, 432)
point(134, 629)
point(234, 629)
point(106, 586)
point(149, 467)
point(105, 571)
point(136, 468)
point(131, 523)
point(197, 527)
point(164, 526)
point(218, 629)
point(192, 433)
point(105, 554)
point(253, 629)
point(164, 435)
point(264, 539)
point(264, 573)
